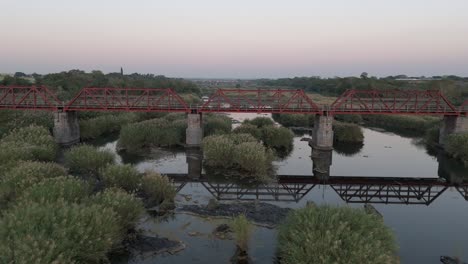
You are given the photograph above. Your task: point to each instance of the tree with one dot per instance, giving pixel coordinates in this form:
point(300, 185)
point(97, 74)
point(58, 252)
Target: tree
point(20, 74)
point(364, 75)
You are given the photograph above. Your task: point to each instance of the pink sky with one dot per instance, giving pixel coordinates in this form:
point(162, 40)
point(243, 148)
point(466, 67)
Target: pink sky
point(242, 39)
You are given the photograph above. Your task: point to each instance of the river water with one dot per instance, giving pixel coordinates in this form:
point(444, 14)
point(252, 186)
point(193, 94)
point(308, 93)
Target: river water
point(428, 212)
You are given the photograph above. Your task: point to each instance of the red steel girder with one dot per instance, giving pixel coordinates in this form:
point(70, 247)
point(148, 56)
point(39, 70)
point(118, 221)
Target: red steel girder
point(127, 100)
point(28, 98)
point(260, 101)
point(464, 107)
point(414, 102)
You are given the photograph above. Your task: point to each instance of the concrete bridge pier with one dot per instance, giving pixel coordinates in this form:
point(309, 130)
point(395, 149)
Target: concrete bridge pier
point(194, 157)
point(322, 161)
point(194, 132)
point(452, 125)
point(66, 128)
point(322, 133)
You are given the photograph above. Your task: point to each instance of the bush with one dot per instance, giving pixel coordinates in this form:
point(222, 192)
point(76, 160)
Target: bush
point(335, 235)
point(253, 158)
point(121, 176)
point(157, 188)
point(24, 175)
point(152, 133)
point(104, 124)
point(279, 138)
point(216, 124)
point(351, 118)
point(432, 136)
point(457, 146)
point(127, 207)
point(68, 189)
point(416, 124)
point(11, 119)
point(295, 120)
point(57, 232)
point(347, 132)
point(238, 150)
point(218, 151)
point(260, 122)
point(242, 228)
point(28, 143)
point(87, 159)
point(248, 129)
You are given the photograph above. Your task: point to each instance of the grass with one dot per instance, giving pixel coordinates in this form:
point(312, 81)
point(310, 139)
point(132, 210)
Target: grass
point(328, 234)
point(242, 229)
point(49, 190)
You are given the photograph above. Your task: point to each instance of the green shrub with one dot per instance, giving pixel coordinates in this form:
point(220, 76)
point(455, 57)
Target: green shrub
point(87, 159)
point(279, 138)
point(157, 188)
point(24, 175)
point(416, 124)
point(253, 158)
point(456, 145)
point(28, 143)
point(242, 151)
point(216, 124)
point(431, 136)
point(242, 229)
point(335, 235)
point(127, 207)
point(57, 232)
point(152, 133)
point(241, 138)
point(15, 119)
point(260, 122)
point(294, 120)
point(248, 129)
point(352, 118)
point(121, 176)
point(104, 124)
point(347, 132)
point(218, 151)
point(68, 188)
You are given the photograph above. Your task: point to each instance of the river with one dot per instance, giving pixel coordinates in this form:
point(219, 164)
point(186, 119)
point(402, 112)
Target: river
point(429, 219)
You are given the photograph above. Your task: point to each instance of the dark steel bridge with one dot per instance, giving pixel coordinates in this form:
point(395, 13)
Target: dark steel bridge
point(372, 190)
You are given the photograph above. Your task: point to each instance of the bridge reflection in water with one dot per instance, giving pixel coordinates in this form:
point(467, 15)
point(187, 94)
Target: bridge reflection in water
point(292, 188)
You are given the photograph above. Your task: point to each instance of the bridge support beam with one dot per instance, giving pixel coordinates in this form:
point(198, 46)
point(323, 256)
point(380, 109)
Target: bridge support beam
point(194, 132)
point(66, 128)
point(452, 125)
point(322, 133)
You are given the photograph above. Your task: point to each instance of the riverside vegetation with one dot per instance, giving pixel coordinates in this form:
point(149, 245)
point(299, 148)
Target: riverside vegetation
point(48, 216)
point(335, 235)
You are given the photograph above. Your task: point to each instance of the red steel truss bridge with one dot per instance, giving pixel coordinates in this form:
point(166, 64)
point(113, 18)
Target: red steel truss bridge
point(365, 190)
point(417, 102)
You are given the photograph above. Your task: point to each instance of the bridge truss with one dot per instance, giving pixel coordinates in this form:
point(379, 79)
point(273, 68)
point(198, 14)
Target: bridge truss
point(384, 102)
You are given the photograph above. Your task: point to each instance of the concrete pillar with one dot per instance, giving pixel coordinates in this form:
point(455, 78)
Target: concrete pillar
point(322, 161)
point(452, 125)
point(194, 157)
point(66, 128)
point(194, 132)
point(322, 133)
